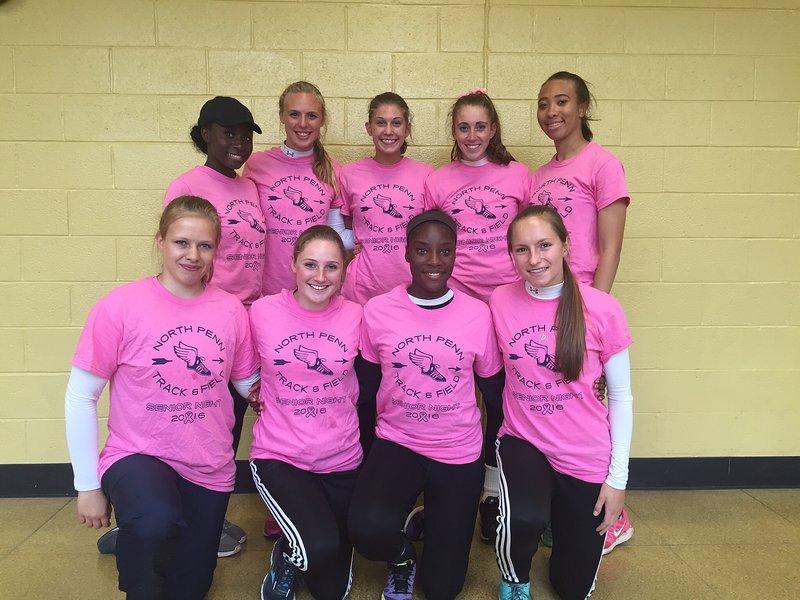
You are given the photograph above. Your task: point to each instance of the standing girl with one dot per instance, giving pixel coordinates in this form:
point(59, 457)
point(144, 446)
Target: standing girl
point(169, 345)
point(380, 194)
point(296, 183)
point(483, 188)
point(305, 448)
point(224, 133)
point(586, 185)
point(562, 455)
point(425, 346)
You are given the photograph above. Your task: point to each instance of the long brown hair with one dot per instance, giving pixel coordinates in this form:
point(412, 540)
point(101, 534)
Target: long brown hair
point(496, 152)
point(570, 320)
point(191, 206)
point(323, 167)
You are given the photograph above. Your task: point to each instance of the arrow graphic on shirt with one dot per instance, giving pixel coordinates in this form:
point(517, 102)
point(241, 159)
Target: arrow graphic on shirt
point(456, 210)
point(279, 362)
point(218, 360)
point(365, 208)
point(514, 356)
point(408, 206)
point(501, 206)
point(161, 361)
point(273, 197)
point(456, 369)
point(232, 221)
point(397, 365)
point(565, 199)
point(341, 360)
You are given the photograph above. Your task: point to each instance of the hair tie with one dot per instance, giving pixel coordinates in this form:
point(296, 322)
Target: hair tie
point(477, 90)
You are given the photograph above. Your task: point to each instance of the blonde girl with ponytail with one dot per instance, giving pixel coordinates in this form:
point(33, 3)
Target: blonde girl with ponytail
point(297, 183)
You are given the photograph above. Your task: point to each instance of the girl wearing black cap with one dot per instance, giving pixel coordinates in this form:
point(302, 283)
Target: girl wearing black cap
point(424, 346)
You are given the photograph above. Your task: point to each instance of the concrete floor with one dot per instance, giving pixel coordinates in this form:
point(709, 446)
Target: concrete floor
point(688, 544)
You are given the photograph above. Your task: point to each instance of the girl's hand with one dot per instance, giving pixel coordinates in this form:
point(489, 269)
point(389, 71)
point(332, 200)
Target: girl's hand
point(93, 509)
point(613, 500)
point(600, 388)
point(253, 397)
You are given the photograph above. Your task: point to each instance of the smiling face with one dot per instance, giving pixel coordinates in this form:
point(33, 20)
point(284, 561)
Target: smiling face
point(472, 131)
point(187, 252)
point(228, 147)
point(431, 254)
point(318, 270)
point(388, 129)
point(302, 117)
point(538, 252)
point(559, 111)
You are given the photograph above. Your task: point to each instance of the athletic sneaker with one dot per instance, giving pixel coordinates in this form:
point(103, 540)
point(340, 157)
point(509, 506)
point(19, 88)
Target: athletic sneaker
point(227, 545)
point(107, 543)
point(619, 533)
point(547, 535)
point(400, 581)
point(514, 591)
point(271, 529)
point(281, 579)
point(234, 531)
point(415, 524)
point(489, 509)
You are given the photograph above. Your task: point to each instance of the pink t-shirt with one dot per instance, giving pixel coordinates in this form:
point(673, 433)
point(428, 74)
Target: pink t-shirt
point(309, 389)
point(381, 199)
point(239, 261)
point(563, 419)
point(483, 200)
point(578, 188)
point(426, 401)
point(169, 360)
point(292, 200)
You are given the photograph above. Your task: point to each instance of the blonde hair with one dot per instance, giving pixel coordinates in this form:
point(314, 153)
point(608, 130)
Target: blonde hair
point(318, 232)
point(190, 206)
point(323, 167)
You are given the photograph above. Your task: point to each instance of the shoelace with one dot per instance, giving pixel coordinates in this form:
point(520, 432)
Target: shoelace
point(401, 575)
point(285, 582)
point(518, 593)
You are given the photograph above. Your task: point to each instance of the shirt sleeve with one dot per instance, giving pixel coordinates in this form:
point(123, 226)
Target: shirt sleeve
point(614, 333)
point(100, 341)
point(368, 351)
point(620, 416)
point(527, 182)
point(429, 200)
point(245, 358)
point(336, 199)
point(490, 362)
point(80, 414)
point(610, 184)
point(176, 189)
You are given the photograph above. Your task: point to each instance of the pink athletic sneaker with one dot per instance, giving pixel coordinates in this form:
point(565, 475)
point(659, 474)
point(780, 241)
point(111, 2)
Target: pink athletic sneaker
point(619, 533)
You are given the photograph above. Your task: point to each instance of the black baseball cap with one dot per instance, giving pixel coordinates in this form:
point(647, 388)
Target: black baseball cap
point(432, 216)
point(227, 112)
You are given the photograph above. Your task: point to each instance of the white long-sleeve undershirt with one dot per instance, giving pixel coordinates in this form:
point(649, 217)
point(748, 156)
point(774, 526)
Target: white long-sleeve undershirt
point(336, 221)
point(80, 412)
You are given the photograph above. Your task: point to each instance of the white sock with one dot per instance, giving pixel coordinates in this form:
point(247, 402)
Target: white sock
point(491, 482)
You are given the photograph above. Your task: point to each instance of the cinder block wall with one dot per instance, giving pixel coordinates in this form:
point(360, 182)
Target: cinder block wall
point(699, 99)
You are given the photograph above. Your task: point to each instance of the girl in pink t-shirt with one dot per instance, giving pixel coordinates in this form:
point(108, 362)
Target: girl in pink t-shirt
point(583, 181)
point(224, 133)
point(297, 183)
point(169, 345)
point(562, 454)
point(483, 188)
point(425, 346)
point(305, 448)
point(380, 195)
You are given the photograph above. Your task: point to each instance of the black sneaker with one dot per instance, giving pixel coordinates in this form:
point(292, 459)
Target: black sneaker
point(489, 509)
point(107, 543)
point(282, 578)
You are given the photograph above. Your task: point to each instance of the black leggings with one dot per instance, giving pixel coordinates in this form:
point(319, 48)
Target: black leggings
point(390, 481)
point(311, 509)
point(169, 529)
point(533, 493)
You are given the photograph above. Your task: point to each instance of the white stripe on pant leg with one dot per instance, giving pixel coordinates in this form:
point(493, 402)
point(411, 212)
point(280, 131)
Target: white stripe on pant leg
point(597, 571)
point(502, 543)
point(299, 556)
point(349, 576)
